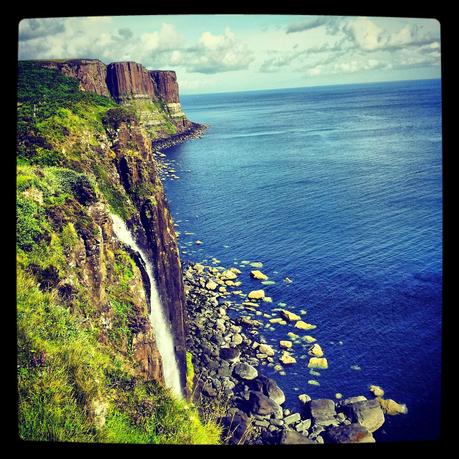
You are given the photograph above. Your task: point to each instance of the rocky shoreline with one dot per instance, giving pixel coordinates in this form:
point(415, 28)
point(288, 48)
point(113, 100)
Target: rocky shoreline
point(195, 131)
point(228, 356)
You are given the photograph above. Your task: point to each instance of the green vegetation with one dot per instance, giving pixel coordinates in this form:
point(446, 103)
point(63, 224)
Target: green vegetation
point(189, 372)
point(78, 302)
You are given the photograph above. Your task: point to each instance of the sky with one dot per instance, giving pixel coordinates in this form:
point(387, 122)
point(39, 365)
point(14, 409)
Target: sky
point(223, 53)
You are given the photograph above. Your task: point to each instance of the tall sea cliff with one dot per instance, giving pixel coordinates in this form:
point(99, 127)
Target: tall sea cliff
point(84, 153)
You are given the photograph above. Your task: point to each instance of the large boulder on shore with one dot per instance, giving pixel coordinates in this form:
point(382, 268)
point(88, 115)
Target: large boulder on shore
point(323, 411)
point(245, 371)
point(261, 404)
point(352, 433)
point(367, 413)
point(230, 353)
point(268, 387)
point(290, 316)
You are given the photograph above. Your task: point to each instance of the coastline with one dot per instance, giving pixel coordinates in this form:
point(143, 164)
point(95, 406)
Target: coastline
point(228, 357)
point(195, 131)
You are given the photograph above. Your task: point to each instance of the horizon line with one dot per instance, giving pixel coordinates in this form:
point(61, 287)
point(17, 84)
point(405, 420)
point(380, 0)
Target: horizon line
point(307, 87)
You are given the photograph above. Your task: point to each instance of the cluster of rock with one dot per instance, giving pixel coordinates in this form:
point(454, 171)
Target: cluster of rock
point(193, 131)
point(228, 361)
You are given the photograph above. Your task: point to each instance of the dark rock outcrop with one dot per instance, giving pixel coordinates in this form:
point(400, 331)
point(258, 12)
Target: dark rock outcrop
point(166, 86)
point(129, 80)
point(367, 413)
point(323, 411)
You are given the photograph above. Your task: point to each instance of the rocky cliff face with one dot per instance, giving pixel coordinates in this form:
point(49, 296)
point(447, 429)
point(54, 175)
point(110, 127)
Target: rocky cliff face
point(91, 73)
point(129, 80)
point(166, 86)
point(153, 224)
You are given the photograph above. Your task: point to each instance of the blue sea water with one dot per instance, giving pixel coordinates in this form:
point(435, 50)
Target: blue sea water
point(338, 188)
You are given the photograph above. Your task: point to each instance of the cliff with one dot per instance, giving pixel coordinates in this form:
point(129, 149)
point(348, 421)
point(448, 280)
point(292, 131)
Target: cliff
point(153, 93)
point(83, 296)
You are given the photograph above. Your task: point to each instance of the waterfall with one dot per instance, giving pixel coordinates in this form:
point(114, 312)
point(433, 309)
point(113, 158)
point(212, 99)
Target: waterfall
point(158, 319)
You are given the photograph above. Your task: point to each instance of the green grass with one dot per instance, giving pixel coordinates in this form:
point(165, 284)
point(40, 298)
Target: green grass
point(68, 360)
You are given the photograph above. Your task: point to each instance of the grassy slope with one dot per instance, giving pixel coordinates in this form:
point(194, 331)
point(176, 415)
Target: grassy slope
point(67, 379)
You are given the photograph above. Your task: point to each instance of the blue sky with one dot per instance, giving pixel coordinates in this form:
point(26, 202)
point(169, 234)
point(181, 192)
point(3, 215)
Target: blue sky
point(219, 53)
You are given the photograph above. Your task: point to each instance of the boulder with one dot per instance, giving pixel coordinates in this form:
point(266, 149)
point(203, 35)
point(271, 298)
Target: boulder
point(259, 403)
point(228, 275)
point(290, 316)
point(245, 371)
point(391, 407)
point(304, 325)
point(309, 339)
point(292, 418)
point(290, 437)
point(367, 413)
point(352, 433)
point(266, 349)
point(256, 295)
point(278, 320)
point(304, 398)
point(376, 390)
point(350, 400)
point(303, 425)
point(323, 411)
point(318, 362)
point(269, 388)
point(230, 353)
point(211, 285)
point(258, 275)
point(287, 359)
point(285, 344)
point(267, 299)
point(316, 351)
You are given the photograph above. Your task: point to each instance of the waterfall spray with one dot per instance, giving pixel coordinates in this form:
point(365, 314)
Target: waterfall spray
point(158, 319)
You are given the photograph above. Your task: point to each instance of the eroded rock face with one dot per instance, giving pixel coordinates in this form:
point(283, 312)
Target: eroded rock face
point(153, 226)
point(91, 73)
point(129, 80)
point(165, 84)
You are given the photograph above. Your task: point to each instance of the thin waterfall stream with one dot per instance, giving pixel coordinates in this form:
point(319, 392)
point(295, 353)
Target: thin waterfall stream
point(158, 319)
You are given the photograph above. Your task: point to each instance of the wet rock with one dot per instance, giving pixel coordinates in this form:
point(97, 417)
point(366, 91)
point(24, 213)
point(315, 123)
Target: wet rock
point(230, 353)
point(309, 339)
point(318, 362)
point(258, 275)
point(367, 413)
point(266, 349)
point(285, 344)
point(304, 325)
point(376, 390)
point(391, 407)
point(261, 404)
point(304, 398)
point(228, 275)
point(245, 371)
point(316, 351)
point(290, 316)
point(323, 411)
point(287, 359)
point(256, 294)
point(352, 433)
point(211, 285)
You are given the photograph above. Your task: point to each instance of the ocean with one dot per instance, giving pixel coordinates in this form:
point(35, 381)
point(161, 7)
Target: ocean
point(338, 188)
